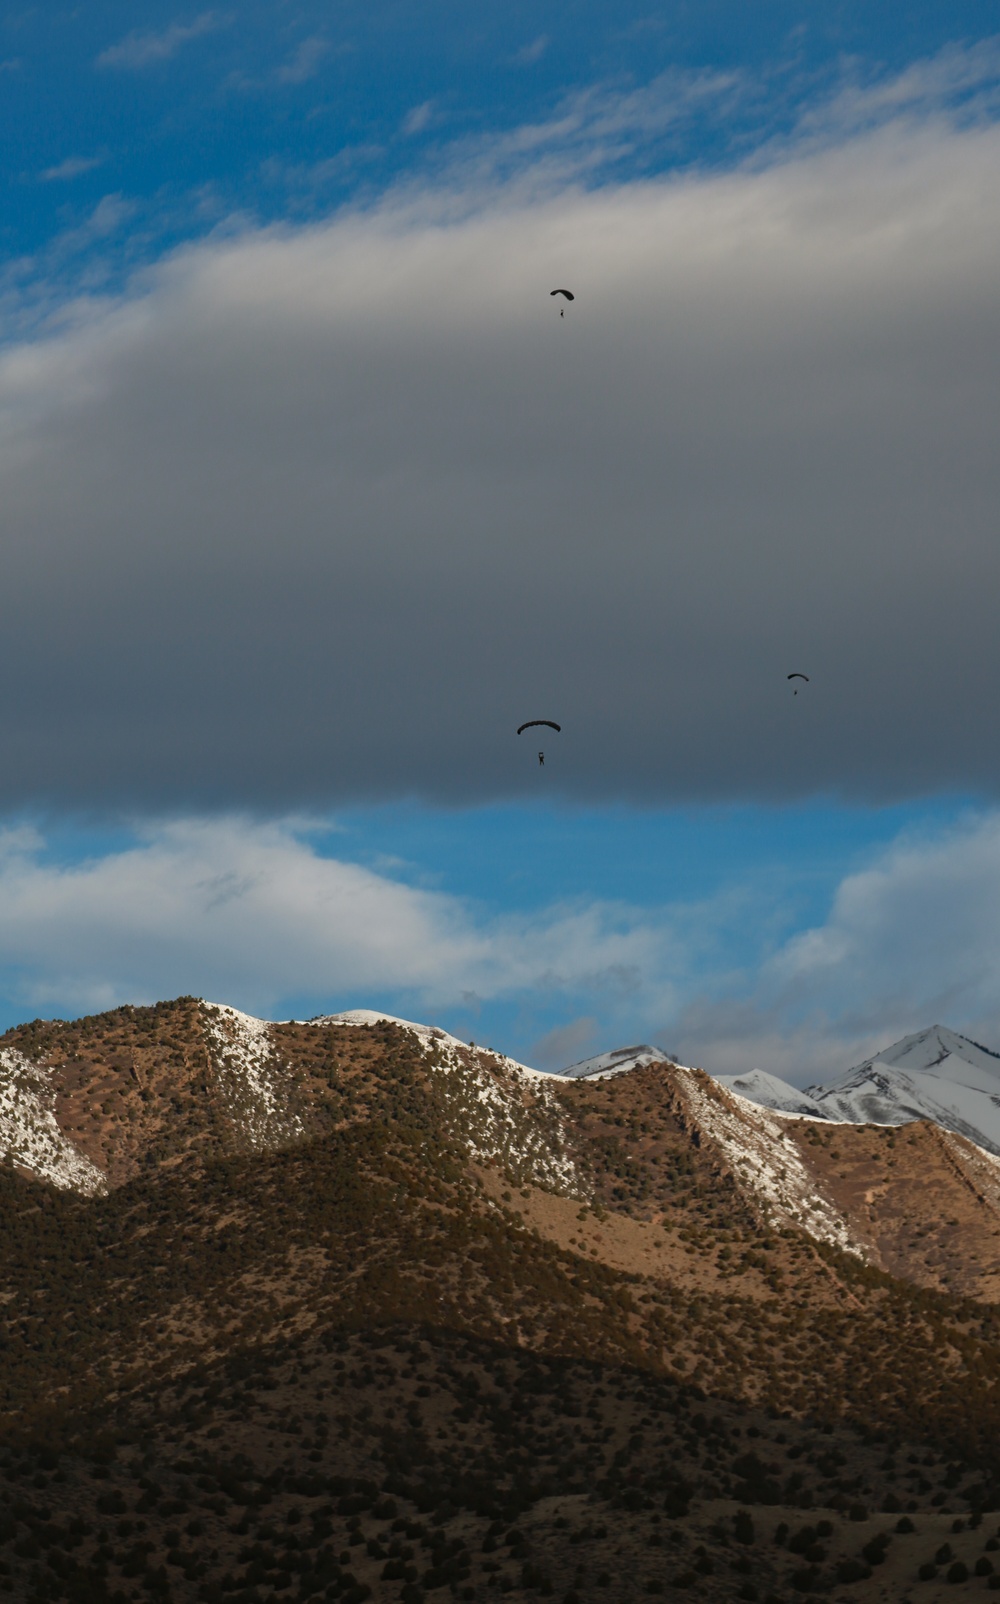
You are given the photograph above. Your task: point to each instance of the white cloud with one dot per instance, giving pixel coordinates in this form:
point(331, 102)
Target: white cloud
point(529, 54)
point(911, 940)
point(920, 928)
point(71, 167)
point(250, 912)
point(305, 61)
point(139, 50)
point(417, 120)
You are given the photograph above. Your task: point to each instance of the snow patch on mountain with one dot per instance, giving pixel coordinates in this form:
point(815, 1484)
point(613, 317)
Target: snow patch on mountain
point(934, 1074)
point(618, 1062)
point(256, 1089)
point(29, 1133)
point(766, 1162)
point(767, 1091)
point(432, 1037)
point(501, 1110)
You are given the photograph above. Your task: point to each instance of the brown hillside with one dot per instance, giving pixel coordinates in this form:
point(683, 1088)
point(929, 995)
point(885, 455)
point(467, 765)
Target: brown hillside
point(332, 1263)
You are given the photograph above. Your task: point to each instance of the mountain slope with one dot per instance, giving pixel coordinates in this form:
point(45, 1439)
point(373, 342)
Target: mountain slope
point(100, 1103)
point(618, 1062)
point(935, 1074)
point(358, 1307)
point(768, 1091)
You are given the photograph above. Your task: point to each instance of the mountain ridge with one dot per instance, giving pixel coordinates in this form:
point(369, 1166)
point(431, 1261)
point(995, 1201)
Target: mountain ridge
point(933, 1074)
point(362, 1311)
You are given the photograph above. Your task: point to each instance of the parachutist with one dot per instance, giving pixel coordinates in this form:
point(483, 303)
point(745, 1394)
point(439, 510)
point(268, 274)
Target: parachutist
point(541, 759)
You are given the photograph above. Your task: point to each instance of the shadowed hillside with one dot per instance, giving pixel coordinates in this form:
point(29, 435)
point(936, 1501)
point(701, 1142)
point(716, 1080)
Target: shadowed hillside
point(327, 1267)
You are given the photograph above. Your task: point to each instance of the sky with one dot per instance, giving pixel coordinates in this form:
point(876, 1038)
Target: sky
point(309, 497)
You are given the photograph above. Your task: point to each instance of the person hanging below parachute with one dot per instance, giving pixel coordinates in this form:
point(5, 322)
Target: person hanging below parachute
point(798, 676)
point(532, 724)
point(569, 296)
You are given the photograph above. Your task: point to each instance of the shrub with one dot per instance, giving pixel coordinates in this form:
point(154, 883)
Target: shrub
point(743, 1526)
point(852, 1570)
point(874, 1550)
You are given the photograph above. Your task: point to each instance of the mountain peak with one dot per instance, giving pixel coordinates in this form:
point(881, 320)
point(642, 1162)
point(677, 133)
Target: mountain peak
point(929, 1051)
point(934, 1074)
point(617, 1062)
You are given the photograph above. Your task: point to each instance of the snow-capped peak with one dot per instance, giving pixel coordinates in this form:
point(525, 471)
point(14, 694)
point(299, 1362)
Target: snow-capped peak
point(935, 1074)
point(941, 1052)
point(617, 1062)
point(767, 1091)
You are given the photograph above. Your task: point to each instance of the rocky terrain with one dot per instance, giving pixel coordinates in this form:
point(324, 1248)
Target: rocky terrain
point(350, 1309)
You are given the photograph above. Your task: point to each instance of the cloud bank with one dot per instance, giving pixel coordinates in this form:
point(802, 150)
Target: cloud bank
point(259, 913)
point(252, 913)
point(326, 513)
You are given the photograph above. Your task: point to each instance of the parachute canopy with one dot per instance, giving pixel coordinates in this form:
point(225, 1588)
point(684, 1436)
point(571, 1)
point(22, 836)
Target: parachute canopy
point(532, 722)
point(568, 294)
point(800, 676)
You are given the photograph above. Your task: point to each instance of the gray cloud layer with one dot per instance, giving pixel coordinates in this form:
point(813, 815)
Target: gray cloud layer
point(326, 514)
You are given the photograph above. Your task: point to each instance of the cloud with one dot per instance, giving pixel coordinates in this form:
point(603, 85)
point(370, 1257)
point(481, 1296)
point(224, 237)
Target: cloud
point(417, 120)
point(325, 513)
point(529, 54)
point(71, 167)
point(304, 63)
point(566, 1044)
point(911, 940)
point(139, 50)
point(258, 913)
point(251, 912)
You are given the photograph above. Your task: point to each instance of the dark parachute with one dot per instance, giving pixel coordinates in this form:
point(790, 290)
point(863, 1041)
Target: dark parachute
point(534, 722)
point(568, 294)
point(798, 676)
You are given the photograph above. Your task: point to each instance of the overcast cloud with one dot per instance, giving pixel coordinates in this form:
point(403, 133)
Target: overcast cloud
point(325, 514)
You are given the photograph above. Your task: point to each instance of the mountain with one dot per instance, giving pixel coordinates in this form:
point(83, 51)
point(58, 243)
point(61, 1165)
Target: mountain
point(935, 1074)
point(618, 1062)
point(348, 1309)
point(767, 1091)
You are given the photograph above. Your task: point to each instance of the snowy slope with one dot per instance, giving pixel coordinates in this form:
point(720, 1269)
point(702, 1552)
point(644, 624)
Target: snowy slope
point(502, 1110)
point(30, 1137)
point(614, 1063)
point(935, 1074)
point(767, 1091)
point(429, 1035)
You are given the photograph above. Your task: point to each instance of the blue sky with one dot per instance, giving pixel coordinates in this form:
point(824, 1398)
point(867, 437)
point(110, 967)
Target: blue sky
point(308, 500)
